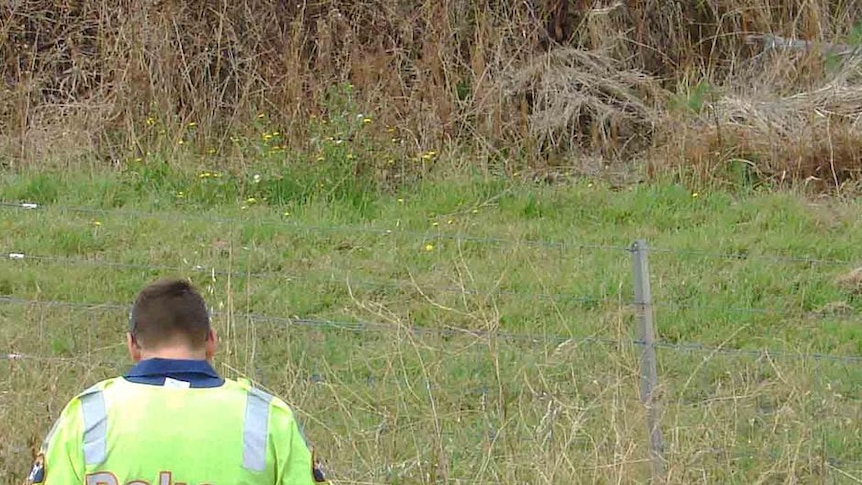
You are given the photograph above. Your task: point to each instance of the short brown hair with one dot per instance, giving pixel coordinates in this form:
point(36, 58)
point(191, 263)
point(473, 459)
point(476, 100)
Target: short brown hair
point(169, 310)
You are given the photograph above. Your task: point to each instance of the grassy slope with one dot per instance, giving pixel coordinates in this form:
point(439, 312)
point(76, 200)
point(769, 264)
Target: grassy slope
point(386, 405)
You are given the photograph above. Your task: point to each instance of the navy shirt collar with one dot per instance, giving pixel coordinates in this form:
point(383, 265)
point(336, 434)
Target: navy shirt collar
point(198, 373)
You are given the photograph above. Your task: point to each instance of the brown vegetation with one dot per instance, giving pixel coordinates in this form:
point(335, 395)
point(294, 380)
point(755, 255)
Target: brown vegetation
point(547, 79)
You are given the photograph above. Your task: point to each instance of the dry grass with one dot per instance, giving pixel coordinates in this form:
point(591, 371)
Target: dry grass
point(585, 100)
point(397, 407)
point(542, 79)
point(851, 281)
point(812, 136)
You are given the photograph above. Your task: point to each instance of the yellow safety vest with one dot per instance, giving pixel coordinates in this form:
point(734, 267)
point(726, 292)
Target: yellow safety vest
point(123, 433)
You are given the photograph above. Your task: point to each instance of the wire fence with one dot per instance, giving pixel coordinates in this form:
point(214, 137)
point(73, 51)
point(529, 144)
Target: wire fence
point(282, 275)
point(278, 275)
point(530, 338)
point(651, 347)
point(274, 219)
point(281, 222)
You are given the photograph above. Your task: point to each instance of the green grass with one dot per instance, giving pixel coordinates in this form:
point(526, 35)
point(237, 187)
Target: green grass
point(521, 368)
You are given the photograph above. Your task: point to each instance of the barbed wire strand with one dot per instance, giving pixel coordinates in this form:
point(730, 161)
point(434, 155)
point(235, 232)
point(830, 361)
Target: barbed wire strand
point(360, 326)
point(439, 235)
point(417, 235)
point(374, 284)
point(758, 257)
point(372, 380)
point(362, 283)
point(355, 326)
point(756, 353)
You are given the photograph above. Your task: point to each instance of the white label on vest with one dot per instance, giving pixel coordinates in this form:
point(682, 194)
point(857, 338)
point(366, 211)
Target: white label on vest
point(175, 384)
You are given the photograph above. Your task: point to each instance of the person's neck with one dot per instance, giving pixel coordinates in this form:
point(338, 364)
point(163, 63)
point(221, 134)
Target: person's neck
point(174, 354)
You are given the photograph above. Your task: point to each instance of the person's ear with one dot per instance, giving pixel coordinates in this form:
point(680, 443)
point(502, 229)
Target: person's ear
point(211, 344)
point(133, 347)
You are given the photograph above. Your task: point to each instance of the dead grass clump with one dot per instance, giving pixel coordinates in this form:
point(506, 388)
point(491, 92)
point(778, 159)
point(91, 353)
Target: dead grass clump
point(833, 308)
point(813, 136)
point(851, 281)
point(585, 101)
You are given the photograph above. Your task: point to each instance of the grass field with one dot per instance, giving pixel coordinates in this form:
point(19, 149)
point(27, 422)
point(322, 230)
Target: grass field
point(472, 329)
point(413, 222)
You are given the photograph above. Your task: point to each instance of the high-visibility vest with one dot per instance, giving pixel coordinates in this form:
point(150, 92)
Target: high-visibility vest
point(122, 433)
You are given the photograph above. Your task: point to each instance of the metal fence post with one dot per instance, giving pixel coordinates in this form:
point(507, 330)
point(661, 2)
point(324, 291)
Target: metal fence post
point(648, 370)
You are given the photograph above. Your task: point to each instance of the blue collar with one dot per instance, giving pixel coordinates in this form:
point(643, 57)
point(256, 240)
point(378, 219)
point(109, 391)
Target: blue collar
point(198, 373)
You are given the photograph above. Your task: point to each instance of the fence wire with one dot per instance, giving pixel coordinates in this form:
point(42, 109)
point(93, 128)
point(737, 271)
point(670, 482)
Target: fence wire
point(355, 326)
point(534, 339)
point(420, 235)
point(277, 275)
point(704, 350)
point(374, 283)
point(353, 229)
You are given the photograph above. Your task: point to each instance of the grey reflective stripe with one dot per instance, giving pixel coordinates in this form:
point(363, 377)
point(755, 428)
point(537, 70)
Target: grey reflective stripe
point(95, 427)
point(47, 441)
point(255, 430)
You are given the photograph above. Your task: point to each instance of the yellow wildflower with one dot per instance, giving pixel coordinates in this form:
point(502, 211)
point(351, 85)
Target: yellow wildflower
point(429, 247)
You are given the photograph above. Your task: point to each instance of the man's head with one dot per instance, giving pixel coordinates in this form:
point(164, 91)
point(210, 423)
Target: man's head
point(170, 319)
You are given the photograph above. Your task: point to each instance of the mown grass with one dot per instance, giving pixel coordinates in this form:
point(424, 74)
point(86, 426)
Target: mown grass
point(458, 330)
